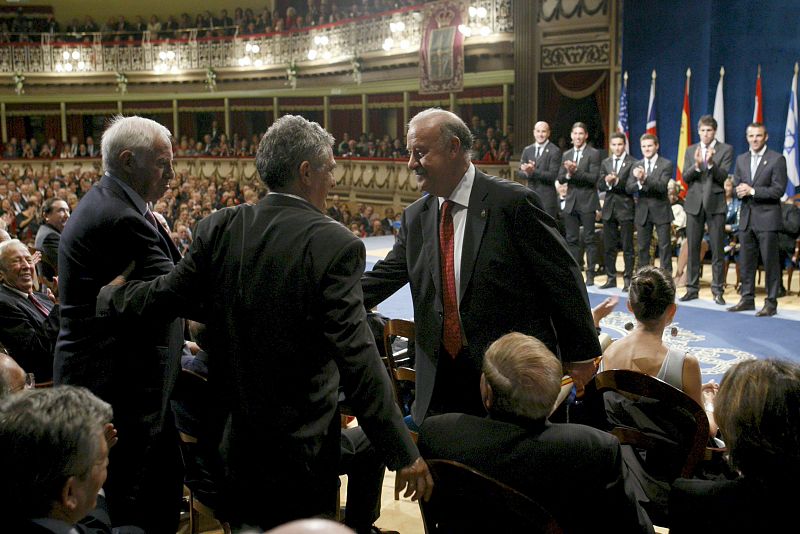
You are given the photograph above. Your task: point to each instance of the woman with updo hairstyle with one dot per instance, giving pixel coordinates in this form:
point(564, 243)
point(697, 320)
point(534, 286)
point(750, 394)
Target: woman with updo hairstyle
point(652, 301)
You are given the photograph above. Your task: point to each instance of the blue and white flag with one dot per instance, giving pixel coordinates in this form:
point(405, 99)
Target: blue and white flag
point(719, 107)
point(790, 141)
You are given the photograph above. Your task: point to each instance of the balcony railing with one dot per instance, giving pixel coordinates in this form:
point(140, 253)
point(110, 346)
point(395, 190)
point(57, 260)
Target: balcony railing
point(392, 32)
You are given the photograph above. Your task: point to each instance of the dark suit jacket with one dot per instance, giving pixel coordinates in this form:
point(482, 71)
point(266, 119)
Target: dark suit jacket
point(278, 286)
point(131, 365)
point(516, 275)
point(543, 179)
point(576, 472)
point(653, 201)
point(27, 334)
point(47, 239)
point(740, 505)
point(582, 190)
point(762, 212)
point(618, 203)
point(706, 186)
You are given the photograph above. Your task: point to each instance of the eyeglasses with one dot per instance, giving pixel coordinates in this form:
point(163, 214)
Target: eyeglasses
point(30, 383)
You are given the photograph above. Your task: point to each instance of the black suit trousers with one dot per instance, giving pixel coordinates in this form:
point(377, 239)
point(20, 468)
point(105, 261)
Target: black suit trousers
point(645, 235)
point(614, 232)
point(457, 386)
point(694, 237)
point(573, 223)
point(766, 243)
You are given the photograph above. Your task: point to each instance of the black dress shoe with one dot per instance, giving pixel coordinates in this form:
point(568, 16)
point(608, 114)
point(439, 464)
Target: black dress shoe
point(688, 296)
point(609, 284)
point(718, 299)
point(626, 288)
point(589, 280)
point(742, 305)
point(766, 311)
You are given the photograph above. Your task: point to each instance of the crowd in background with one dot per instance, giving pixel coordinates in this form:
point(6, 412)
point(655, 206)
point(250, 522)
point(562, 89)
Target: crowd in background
point(22, 28)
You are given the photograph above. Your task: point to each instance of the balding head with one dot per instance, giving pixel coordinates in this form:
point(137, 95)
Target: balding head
point(12, 376)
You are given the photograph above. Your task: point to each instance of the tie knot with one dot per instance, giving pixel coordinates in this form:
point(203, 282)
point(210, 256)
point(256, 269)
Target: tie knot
point(447, 207)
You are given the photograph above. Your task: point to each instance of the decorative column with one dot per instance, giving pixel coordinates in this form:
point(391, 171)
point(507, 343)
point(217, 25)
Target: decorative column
point(526, 68)
point(176, 127)
point(3, 124)
point(326, 112)
point(364, 114)
point(275, 111)
point(226, 102)
point(63, 107)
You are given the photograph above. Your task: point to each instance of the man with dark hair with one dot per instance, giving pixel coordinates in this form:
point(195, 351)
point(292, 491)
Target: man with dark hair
point(649, 178)
point(55, 213)
point(618, 210)
point(760, 180)
point(558, 465)
point(482, 258)
point(580, 170)
point(131, 365)
point(705, 170)
point(539, 165)
point(243, 267)
point(54, 460)
point(29, 319)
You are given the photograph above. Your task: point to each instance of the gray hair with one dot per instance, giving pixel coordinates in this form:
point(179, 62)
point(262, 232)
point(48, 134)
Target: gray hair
point(450, 126)
point(130, 133)
point(47, 436)
point(524, 375)
point(290, 141)
point(4, 246)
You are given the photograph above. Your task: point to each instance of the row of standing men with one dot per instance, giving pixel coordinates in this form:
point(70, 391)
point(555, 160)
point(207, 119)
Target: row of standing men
point(636, 194)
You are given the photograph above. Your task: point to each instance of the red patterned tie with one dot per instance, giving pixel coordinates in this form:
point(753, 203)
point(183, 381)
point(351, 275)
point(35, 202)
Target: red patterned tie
point(39, 306)
point(451, 335)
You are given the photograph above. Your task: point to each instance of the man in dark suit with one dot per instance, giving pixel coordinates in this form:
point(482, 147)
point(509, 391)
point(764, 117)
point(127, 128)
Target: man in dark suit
point(618, 209)
point(580, 169)
point(54, 461)
point(56, 214)
point(134, 365)
point(649, 178)
point(277, 368)
point(561, 466)
point(539, 165)
point(495, 263)
point(28, 318)
point(760, 180)
point(705, 169)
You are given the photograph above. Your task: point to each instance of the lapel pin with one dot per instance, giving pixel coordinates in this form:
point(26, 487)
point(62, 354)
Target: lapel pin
point(483, 214)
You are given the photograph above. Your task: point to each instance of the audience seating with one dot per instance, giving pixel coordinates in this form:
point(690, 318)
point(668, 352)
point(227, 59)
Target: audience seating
point(466, 500)
point(399, 363)
point(683, 425)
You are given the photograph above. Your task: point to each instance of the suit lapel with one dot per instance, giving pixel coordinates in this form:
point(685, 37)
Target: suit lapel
point(761, 164)
point(477, 214)
point(430, 240)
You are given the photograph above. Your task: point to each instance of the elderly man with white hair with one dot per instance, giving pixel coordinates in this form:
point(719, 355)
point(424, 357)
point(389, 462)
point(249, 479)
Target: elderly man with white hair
point(131, 365)
point(29, 319)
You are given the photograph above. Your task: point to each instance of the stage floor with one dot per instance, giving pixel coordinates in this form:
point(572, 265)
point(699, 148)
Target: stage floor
point(718, 338)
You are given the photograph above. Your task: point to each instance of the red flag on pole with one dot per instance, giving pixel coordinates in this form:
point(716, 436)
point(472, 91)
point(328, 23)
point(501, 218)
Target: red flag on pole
point(651, 107)
point(758, 110)
point(685, 136)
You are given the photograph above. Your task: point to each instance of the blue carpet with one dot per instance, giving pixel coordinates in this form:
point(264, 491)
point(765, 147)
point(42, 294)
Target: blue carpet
point(716, 337)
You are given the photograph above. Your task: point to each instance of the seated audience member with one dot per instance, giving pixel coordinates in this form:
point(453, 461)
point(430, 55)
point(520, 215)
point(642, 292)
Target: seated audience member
point(758, 412)
point(66, 426)
point(29, 320)
point(652, 301)
point(573, 471)
point(55, 213)
point(12, 376)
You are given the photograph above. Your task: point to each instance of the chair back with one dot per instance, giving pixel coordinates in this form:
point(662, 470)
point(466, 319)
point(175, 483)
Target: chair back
point(466, 500)
point(398, 363)
point(661, 421)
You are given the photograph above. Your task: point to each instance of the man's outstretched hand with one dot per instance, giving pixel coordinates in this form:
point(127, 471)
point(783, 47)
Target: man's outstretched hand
point(123, 276)
point(416, 479)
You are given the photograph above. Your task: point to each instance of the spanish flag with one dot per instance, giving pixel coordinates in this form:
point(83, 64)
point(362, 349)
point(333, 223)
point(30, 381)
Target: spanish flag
point(685, 136)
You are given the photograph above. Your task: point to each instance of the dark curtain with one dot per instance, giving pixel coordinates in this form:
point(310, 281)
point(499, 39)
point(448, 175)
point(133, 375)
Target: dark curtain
point(75, 127)
point(52, 127)
point(551, 98)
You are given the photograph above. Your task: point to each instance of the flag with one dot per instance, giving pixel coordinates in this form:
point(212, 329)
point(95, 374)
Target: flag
point(622, 121)
point(651, 108)
point(685, 136)
point(790, 141)
point(758, 109)
point(719, 107)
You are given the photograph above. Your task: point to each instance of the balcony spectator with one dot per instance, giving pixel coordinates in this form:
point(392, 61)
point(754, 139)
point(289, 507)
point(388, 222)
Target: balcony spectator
point(225, 22)
point(89, 25)
point(154, 26)
point(51, 25)
point(169, 28)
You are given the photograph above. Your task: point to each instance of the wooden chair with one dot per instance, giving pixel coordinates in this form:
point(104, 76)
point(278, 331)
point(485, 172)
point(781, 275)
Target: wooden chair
point(398, 364)
point(466, 500)
point(675, 445)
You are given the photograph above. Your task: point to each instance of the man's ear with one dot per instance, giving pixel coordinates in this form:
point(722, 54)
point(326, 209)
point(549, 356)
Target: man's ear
point(487, 395)
point(305, 172)
point(127, 160)
point(69, 499)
